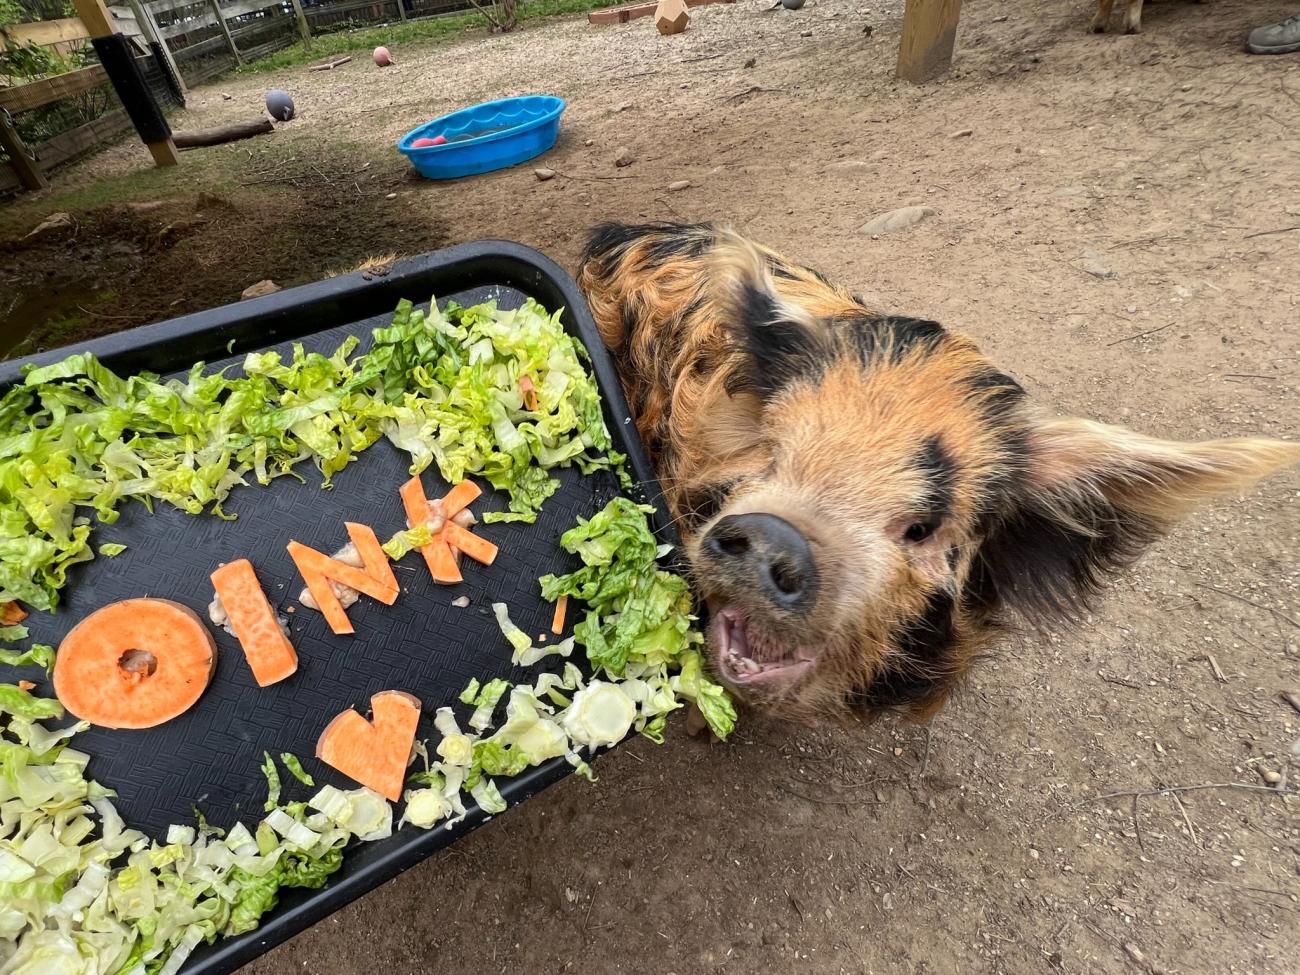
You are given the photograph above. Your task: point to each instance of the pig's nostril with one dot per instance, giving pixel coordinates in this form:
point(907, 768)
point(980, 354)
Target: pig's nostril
point(787, 580)
point(734, 544)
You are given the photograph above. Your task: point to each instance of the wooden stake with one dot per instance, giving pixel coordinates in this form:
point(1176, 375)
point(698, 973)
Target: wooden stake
point(27, 168)
point(225, 31)
point(99, 23)
point(401, 9)
point(303, 29)
point(929, 33)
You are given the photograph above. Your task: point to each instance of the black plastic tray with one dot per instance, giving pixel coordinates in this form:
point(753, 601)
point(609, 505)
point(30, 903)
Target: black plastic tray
point(422, 644)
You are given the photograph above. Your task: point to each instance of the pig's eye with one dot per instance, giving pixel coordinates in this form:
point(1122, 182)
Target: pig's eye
point(918, 531)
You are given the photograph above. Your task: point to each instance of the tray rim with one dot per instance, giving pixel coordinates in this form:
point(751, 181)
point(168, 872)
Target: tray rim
point(262, 322)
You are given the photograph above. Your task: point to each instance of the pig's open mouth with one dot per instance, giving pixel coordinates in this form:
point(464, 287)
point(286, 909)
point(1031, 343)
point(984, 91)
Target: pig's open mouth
point(746, 658)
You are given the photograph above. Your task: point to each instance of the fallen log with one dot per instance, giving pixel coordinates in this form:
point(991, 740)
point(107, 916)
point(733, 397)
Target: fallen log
point(330, 65)
point(195, 138)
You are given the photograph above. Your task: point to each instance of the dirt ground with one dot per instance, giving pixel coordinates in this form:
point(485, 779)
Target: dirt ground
point(990, 843)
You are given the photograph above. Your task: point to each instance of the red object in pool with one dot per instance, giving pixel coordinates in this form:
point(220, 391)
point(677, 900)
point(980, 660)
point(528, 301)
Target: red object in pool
point(421, 143)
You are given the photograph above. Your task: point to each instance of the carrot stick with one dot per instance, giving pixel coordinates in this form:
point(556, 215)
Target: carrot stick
point(442, 564)
point(530, 392)
point(561, 608)
point(270, 655)
point(478, 549)
point(459, 498)
point(134, 663)
point(11, 614)
point(372, 554)
point(374, 753)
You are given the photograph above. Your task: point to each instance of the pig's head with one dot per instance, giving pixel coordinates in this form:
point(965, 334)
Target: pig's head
point(878, 495)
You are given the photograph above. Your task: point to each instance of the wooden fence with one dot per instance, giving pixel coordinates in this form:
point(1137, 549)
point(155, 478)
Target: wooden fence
point(198, 39)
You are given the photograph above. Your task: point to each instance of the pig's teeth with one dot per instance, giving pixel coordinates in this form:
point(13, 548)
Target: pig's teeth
point(750, 666)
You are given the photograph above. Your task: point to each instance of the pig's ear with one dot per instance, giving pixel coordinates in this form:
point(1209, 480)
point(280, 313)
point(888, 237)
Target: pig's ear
point(783, 341)
point(1090, 498)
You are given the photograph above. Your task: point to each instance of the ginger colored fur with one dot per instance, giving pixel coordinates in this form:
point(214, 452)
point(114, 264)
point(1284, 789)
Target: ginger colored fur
point(934, 497)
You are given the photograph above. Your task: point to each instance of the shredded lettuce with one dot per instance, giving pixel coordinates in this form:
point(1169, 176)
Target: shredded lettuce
point(639, 625)
point(406, 540)
point(37, 654)
point(485, 703)
point(290, 761)
point(110, 549)
point(76, 438)
point(272, 781)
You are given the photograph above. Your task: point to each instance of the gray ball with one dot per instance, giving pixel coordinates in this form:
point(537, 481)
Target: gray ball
point(280, 105)
point(792, 4)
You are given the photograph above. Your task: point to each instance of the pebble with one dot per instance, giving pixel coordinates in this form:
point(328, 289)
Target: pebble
point(962, 134)
point(1271, 777)
point(391, 196)
point(625, 157)
point(678, 185)
point(225, 97)
point(588, 142)
point(751, 62)
point(544, 174)
point(623, 107)
point(805, 33)
point(1002, 19)
point(1090, 262)
point(55, 222)
point(895, 220)
point(265, 287)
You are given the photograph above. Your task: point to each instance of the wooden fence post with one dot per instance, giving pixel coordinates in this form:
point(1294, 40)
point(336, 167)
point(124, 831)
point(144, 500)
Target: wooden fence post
point(929, 32)
point(401, 9)
point(99, 23)
point(149, 27)
point(303, 29)
point(27, 168)
point(225, 31)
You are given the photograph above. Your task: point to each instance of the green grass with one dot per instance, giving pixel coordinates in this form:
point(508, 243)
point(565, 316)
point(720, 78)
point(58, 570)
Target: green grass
point(397, 35)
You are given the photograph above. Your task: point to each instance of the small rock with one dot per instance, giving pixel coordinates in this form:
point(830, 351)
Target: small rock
point(390, 196)
point(1271, 777)
point(625, 157)
point(868, 30)
point(588, 142)
point(962, 134)
point(570, 895)
point(805, 33)
point(544, 174)
point(895, 220)
point(225, 97)
point(623, 107)
point(1001, 19)
point(751, 62)
point(1184, 87)
point(1090, 262)
point(1131, 309)
point(460, 602)
point(680, 184)
point(264, 287)
point(52, 224)
point(898, 753)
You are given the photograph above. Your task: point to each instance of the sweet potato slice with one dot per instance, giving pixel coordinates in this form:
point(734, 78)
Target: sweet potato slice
point(318, 569)
point(135, 664)
point(12, 613)
point(478, 549)
point(437, 556)
point(459, 498)
point(269, 652)
point(375, 752)
point(372, 554)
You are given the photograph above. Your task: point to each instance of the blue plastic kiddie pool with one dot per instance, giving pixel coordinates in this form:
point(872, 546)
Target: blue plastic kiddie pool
point(487, 137)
